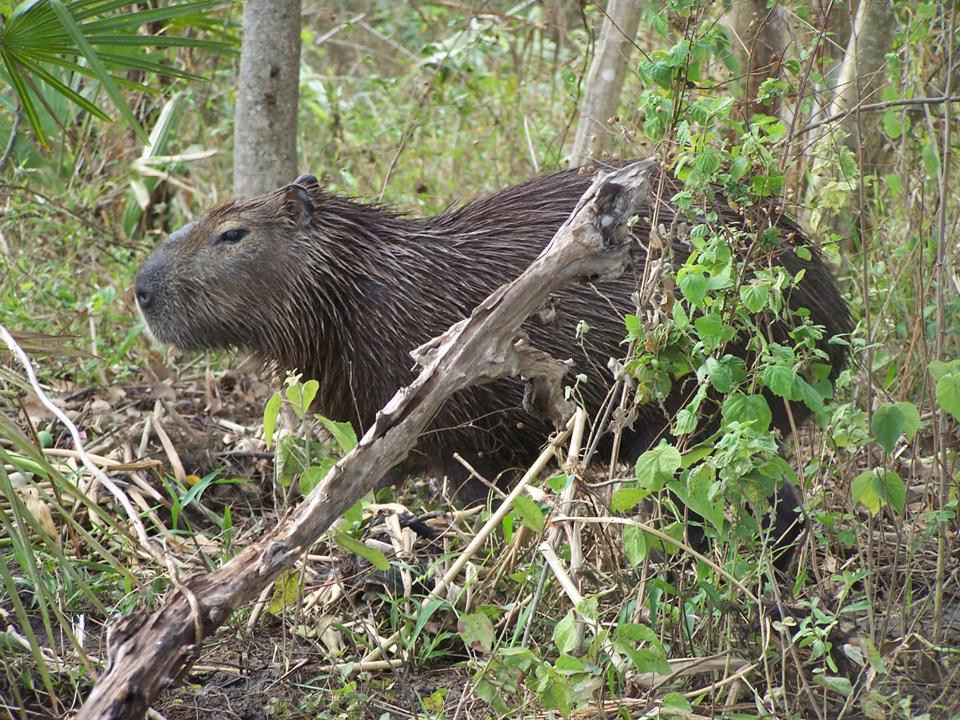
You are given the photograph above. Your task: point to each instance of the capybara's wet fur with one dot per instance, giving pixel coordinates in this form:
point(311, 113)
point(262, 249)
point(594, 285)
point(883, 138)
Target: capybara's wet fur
point(343, 291)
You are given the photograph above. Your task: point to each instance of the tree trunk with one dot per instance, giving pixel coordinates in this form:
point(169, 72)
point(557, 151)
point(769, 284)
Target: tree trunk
point(759, 31)
point(858, 81)
point(861, 73)
point(265, 134)
point(605, 80)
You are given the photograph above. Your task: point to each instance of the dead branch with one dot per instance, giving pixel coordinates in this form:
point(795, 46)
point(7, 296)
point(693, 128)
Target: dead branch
point(147, 652)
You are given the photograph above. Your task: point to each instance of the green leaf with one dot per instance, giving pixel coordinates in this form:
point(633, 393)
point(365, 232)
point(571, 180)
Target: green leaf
point(476, 631)
point(892, 420)
point(370, 554)
point(556, 693)
point(564, 633)
point(529, 512)
point(674, 703)
point(911, 419)
point(426, 612)
point(739, 167)
point(948, 393)
point(589, 608)
point(696, 495)
point(352, 515)
point(635, 545)
point(876, 488)
point(738, 407)
point(695, 454)
point(26, 100)
point(643, 647)
point(627, 498)
point(839, 685)
point(680, 316)
point(659, 72)
point(780, 379)
point(68, 92)
point(286, 590)
point(342, 432)
point(656, 467)
point(569, 665)
point(636, 633)
point(709, 326)
point(720, 374)
point(301, 394)
point(270, 414)
point(634, 327)
point(754, 297)
point(198, 488)
point(558, 483)
point(892, 124)
point(938, 368)
point(887, 425)
point(39, 39)
point(693, 285)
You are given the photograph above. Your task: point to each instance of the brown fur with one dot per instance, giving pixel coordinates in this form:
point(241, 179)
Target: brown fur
point(342, 291)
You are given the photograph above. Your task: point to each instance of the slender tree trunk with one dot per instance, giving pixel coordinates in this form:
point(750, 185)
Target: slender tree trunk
point(265, 135)
point(760, 32)
point(858, 81)
point(861, 73)
point(605, 80)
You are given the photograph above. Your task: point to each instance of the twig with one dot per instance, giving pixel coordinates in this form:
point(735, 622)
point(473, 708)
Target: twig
point(941, 442)
point(660, 535)
point(553, 534)
point(172, 455)
point(12, 139)
point(53, 203)
point(872, 106)
point(105, 462)
point(573, 594)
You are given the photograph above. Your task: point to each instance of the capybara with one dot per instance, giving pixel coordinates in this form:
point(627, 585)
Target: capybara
point(342, 291)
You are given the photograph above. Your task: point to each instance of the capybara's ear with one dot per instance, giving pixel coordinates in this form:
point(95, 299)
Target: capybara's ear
point(306, 181)
point(298, 205)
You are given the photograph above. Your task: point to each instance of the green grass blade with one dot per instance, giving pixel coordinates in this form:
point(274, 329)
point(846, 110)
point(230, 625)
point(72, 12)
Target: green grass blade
point(21, 546)
point(87, 72)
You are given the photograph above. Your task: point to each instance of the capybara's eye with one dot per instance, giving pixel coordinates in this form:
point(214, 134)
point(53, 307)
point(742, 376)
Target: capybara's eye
point(231, 236)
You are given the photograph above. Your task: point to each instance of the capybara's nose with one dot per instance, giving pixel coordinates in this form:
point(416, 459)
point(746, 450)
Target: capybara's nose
point(143, 290)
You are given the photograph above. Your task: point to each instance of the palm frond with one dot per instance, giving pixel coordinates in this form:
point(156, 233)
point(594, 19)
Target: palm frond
point(56, 40)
